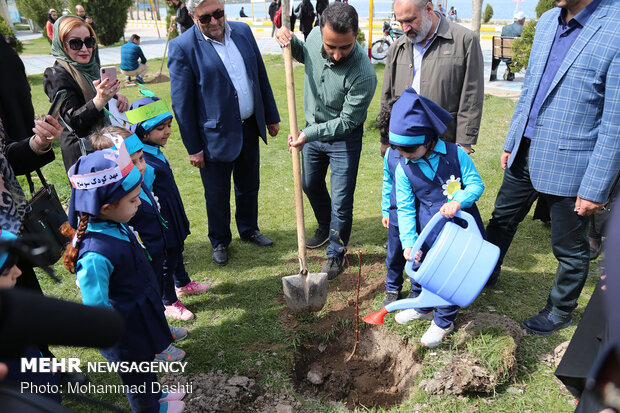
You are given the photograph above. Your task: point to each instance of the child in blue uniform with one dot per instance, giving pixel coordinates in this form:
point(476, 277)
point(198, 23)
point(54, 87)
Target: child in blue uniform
point(112, 268)
point(154, 133)
point(394, 260)
point(148, 221)
point(432, 176)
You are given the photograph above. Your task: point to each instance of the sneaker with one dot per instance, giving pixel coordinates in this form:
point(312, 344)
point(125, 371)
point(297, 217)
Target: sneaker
point(390, 297)
point(128, 78)
point(192, 288)
point(433, 336)
point(172, 397)
point(171, 353)
point(178, 333)
point(405, 316)
point(178, 311)
point(334, 266)
point(139, 79)
point(319, 238)
point(174, 406)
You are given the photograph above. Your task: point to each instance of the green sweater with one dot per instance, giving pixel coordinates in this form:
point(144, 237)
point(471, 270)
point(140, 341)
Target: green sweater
point(336, 96)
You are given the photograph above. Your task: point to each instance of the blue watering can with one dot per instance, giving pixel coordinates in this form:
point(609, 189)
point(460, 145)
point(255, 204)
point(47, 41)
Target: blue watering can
point(454, 271)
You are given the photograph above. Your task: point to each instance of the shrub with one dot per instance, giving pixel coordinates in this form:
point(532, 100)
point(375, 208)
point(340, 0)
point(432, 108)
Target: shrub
point(5, 30)
point(361, 38)
point(543, 6)
point(109, 15)
point(522, 46)
point(488, 14)
point(37, 10)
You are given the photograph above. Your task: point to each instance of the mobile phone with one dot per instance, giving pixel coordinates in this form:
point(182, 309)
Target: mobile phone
point(57, 102)
point(108, 72)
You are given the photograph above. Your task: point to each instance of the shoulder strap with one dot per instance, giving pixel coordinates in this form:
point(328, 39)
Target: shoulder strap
point(31, 184)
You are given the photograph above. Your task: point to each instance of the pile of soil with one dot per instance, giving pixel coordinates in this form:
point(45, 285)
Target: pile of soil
point(218, 392)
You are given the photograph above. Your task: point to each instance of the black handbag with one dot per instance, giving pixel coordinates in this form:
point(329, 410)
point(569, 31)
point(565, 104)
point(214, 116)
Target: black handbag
point(43, 218)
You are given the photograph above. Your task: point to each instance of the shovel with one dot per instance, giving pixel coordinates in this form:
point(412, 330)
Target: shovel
point(304, 292)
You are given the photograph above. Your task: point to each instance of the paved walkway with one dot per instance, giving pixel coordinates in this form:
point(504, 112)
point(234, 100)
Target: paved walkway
point(153, 47)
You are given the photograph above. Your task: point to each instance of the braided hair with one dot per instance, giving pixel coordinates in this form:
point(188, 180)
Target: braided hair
point(70, 254)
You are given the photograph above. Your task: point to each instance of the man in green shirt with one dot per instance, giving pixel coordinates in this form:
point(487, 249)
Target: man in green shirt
point(339, 84)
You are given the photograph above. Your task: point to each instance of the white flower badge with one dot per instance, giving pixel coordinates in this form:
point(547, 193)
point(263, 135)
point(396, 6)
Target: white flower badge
point(451, 186)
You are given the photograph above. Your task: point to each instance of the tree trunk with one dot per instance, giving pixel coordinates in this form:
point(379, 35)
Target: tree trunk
point(156, 2)
point(476, 16)
point(4, 12)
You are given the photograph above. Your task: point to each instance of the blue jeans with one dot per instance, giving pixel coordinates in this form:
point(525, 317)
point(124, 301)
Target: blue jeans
point(334, 214)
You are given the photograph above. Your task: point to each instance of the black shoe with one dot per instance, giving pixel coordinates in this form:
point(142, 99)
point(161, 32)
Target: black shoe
point(258, 239)
point(319, 238)
point(73, 378)
point(595, 252)
point(411, 294)
point(385, 245)
point(545, 323)
point(334, 266)
point(220, 255)
point(491, 282)
point(493, 76)
point(390, 297)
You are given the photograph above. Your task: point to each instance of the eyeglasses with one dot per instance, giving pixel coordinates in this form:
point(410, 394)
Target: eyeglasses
point(206, 18)
point(76, 44)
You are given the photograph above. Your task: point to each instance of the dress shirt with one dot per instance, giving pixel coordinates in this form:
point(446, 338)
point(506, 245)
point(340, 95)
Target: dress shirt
point(336, 95)
point(235, 66)
point(418, 53)
point(565, 36)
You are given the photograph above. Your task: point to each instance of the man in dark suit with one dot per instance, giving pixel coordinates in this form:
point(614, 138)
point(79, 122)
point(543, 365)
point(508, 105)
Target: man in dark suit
point(223, 102)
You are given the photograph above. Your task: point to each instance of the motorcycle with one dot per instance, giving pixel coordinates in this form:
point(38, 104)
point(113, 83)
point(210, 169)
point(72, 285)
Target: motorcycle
point(379, 48)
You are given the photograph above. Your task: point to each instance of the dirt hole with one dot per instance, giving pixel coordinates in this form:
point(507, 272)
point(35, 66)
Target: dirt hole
point(378, 375)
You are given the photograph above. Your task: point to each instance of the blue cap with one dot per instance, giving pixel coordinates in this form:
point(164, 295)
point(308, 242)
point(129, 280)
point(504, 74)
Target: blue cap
point(133, 144)
point(416, 120)
point(5, 236)
point(100, 178)
point(144, 127)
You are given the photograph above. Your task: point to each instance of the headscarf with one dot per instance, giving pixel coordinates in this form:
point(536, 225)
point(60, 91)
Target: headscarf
point(89, 70)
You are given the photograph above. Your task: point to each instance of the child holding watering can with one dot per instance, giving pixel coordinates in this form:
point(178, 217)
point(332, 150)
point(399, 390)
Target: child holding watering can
point(431, 176)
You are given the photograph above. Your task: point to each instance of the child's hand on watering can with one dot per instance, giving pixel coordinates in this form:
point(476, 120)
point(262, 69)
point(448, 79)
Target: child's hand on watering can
point(386, 222)
point(408, 257)
point(449, 209)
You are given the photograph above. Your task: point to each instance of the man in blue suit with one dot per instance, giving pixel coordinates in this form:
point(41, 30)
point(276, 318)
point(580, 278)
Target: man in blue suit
point(223, 102)
point(563, 143)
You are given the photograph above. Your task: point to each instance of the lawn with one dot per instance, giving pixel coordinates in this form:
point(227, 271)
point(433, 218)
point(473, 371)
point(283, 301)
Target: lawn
point(239, 323)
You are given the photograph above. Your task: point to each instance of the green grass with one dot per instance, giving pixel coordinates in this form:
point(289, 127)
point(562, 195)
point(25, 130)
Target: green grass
point(39, 45)
point(238, 325)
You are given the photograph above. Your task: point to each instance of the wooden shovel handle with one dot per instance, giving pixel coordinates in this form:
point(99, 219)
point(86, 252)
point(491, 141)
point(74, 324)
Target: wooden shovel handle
point(287, 54)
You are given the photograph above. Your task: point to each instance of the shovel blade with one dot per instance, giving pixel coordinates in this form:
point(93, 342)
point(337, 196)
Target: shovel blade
point(305, 293)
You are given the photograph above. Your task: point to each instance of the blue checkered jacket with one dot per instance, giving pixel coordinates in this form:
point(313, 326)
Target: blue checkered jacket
point(575, 150)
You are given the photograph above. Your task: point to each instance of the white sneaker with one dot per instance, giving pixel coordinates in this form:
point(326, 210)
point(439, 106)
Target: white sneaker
point(405, 316)
point(434, 335)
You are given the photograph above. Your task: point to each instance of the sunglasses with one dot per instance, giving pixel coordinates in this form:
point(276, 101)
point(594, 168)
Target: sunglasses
point(76, 44)
point(206, 18)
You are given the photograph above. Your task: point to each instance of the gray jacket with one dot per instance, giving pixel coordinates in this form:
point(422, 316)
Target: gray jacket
point(452, 76)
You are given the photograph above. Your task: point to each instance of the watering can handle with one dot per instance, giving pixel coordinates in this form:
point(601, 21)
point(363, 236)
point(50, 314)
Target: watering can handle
point(471, 223)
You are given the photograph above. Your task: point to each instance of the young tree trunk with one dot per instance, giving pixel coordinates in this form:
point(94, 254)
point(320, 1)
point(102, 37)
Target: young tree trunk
point(476, 16)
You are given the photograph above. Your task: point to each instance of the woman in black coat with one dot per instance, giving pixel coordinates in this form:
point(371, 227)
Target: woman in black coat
point(77, 71)
point(305, 12)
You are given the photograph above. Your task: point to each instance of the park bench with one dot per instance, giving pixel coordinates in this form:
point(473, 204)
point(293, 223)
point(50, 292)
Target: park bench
point(502, 50)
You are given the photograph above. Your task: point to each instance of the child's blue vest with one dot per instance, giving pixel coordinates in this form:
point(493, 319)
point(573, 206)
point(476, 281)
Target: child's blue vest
point(149, 224)
point(429, 195)
point(394, 158)
point(172, 209)
point(133, 292)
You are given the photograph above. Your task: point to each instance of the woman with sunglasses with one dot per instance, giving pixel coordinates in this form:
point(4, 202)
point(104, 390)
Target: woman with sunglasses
point(77, 71)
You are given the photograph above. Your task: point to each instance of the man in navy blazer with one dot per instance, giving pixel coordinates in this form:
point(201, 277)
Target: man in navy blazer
point(563, 143)
point(223, 102)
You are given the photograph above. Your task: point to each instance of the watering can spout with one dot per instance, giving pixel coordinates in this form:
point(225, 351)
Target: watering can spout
point(425, 299)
